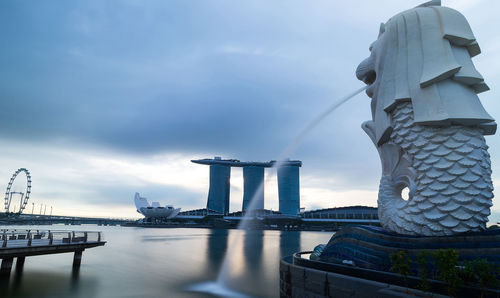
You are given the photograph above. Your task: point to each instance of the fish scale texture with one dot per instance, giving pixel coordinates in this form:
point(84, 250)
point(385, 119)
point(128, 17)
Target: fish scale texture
point(452, 189)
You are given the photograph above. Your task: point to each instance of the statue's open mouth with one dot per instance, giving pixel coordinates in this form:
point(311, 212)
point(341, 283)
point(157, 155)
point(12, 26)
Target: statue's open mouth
point(365, 72)
point(369, 79)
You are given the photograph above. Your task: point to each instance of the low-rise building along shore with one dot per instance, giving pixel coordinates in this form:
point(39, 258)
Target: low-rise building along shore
point(329, 219)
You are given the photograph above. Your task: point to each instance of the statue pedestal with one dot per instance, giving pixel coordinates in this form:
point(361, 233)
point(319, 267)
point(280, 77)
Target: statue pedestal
point(301, 277)
point(370, 247)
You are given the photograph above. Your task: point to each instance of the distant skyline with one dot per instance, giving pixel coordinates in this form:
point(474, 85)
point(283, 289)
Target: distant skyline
point(104, 99)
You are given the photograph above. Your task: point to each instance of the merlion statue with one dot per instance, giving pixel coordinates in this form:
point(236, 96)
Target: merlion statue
point(428, 123)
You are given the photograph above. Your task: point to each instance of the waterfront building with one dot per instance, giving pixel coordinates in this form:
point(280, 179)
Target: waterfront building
point(342, 213)
point(329, 219)
point(253, 186)
point(198, 213)
point(218, 192)
point(253, 175)
point(289, 189)
point(154, 210)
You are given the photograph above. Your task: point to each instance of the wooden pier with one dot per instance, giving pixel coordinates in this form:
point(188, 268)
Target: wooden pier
point(21, 244)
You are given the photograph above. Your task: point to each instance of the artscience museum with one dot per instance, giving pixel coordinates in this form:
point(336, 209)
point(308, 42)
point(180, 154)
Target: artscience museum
point(154, 210)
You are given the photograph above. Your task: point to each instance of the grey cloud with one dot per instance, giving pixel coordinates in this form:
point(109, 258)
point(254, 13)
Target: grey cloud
point(237, 79)
point(102, 85)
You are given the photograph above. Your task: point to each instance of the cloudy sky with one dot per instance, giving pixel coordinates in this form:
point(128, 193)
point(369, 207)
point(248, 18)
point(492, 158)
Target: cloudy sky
point(100, 99)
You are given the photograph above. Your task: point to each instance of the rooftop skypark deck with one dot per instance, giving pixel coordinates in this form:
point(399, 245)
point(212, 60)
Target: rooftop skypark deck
point(237, 163)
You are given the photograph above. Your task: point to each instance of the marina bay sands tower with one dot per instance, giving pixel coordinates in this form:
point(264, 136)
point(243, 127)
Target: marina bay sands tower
point(253, 184)
point(253, 178)
point(220, 176)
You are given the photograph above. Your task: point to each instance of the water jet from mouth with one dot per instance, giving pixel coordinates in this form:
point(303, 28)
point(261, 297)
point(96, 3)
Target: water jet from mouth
point(221, 286)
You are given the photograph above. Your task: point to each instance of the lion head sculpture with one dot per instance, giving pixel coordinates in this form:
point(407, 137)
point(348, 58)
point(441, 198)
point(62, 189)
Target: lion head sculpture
point(423, 55)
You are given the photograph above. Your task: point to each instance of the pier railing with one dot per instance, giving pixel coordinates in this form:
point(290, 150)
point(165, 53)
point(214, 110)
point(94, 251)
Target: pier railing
point(27, 238)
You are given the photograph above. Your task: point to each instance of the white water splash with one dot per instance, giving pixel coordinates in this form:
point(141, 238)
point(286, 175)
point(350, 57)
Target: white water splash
point(215, 288)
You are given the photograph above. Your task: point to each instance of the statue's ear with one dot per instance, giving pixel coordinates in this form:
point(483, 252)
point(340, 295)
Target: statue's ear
point(382, 29)
point(431, 3)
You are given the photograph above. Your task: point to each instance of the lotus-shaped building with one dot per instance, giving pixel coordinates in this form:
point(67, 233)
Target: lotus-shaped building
point(154, 210)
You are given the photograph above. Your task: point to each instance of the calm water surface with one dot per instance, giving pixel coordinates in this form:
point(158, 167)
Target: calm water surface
point(139, 262)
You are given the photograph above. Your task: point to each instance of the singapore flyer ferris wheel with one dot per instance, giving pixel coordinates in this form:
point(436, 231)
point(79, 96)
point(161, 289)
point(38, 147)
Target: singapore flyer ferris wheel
point(24, 195)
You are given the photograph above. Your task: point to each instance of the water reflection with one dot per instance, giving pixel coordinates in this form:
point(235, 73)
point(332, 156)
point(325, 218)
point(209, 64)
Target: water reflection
point(4, 286)
point(252, 249)
point(18, 272)
point(50, 284)
point(75, 278)
point(289, 243)
point(216, 248)
point(217, 242)
point(163, 238)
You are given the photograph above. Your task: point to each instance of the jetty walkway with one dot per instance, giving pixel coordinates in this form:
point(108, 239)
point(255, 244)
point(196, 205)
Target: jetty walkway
point(24, 243)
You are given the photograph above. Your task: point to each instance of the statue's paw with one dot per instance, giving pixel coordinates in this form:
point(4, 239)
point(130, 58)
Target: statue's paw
point(369, 128)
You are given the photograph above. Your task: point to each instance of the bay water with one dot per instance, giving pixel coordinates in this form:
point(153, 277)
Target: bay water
point(160, 262)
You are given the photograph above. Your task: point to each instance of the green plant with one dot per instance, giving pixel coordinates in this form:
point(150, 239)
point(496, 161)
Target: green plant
point(423, 259)
point(444, 265)
point(448, 269)
point(400, 263)
point(479, 273)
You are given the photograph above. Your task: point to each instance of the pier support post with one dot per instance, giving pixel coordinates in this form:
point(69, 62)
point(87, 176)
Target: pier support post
point(20, 264)
point(77, 259)
point(6, 267)
point(19, 271)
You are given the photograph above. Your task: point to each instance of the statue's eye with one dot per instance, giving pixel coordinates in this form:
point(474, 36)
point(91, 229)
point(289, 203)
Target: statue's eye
point(371, 46)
